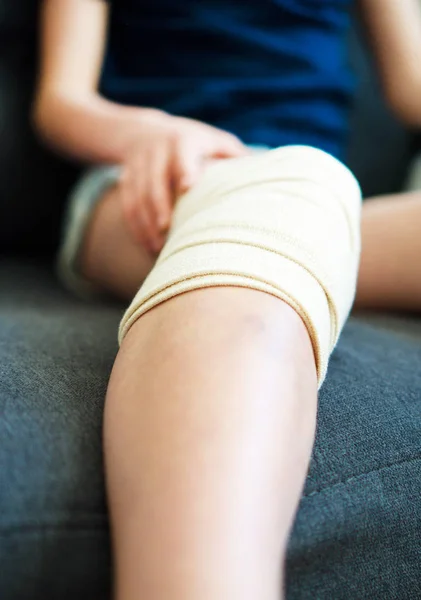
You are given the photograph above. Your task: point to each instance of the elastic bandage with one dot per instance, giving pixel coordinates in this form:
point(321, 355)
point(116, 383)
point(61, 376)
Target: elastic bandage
point(286, 222)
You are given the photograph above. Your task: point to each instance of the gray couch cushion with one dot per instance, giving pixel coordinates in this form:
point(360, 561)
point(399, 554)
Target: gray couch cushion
point(55, 358)
point(357, 533)
point(357, 530)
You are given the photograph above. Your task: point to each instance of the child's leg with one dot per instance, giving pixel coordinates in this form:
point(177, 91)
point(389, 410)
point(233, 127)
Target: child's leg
point(390, 275)
point(209, 426)
point(109, 258)
point(211, 406)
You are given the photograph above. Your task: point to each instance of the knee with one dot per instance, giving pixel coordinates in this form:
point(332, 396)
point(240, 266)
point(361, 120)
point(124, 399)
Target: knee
point(231, 317)
point(285, 223)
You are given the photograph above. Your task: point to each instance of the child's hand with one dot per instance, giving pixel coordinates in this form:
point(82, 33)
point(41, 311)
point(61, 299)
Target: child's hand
point(167, 159)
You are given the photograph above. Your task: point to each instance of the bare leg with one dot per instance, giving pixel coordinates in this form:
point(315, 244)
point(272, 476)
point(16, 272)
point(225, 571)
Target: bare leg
point(389, 276)
point(110, 258)
point(209, 425)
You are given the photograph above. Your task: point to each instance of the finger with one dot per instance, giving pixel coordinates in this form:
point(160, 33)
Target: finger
point(188, 159)
point(127, 204)
point(131, 219)
point(146, 227)
point(140, 190)
point(147, 214)
point(133, 199)
point(160, 191)
point(228, 146)
point(195, 155)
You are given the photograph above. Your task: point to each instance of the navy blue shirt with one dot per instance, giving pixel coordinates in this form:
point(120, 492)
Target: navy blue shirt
point(273, 72)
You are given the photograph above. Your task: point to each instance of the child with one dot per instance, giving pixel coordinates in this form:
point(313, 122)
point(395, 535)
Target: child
point(210, 411)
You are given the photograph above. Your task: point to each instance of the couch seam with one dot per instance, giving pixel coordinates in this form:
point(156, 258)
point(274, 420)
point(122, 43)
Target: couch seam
point(363, 475)
point(100, 526)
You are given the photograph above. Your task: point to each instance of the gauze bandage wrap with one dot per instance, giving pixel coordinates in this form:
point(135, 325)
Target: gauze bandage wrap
point(286, 222)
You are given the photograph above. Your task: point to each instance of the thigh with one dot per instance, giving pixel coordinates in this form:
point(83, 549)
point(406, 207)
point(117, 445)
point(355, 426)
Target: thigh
point(389, 275)
point(111, 258)
point(97, 253)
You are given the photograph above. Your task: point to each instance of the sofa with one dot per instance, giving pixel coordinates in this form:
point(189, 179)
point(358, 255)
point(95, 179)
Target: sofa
point(357, 534)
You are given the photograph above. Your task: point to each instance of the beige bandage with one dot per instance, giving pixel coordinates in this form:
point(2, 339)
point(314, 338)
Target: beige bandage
point(286, 222)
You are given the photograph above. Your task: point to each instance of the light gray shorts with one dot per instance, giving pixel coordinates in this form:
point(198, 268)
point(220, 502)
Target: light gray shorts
point(285, 222)
point(81, 205)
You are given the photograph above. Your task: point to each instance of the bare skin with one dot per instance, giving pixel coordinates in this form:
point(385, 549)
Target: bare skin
point(389, 276)
point(154, 439)
point(206, 463)
point(74, 119)
point(210, 411)
point(110, 258)
point(209, 445)
point(389, 257)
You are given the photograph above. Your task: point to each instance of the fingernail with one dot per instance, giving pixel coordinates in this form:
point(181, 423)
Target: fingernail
point(163, 223)
point(185, 185)
point(155, 246)
point(147, 245)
